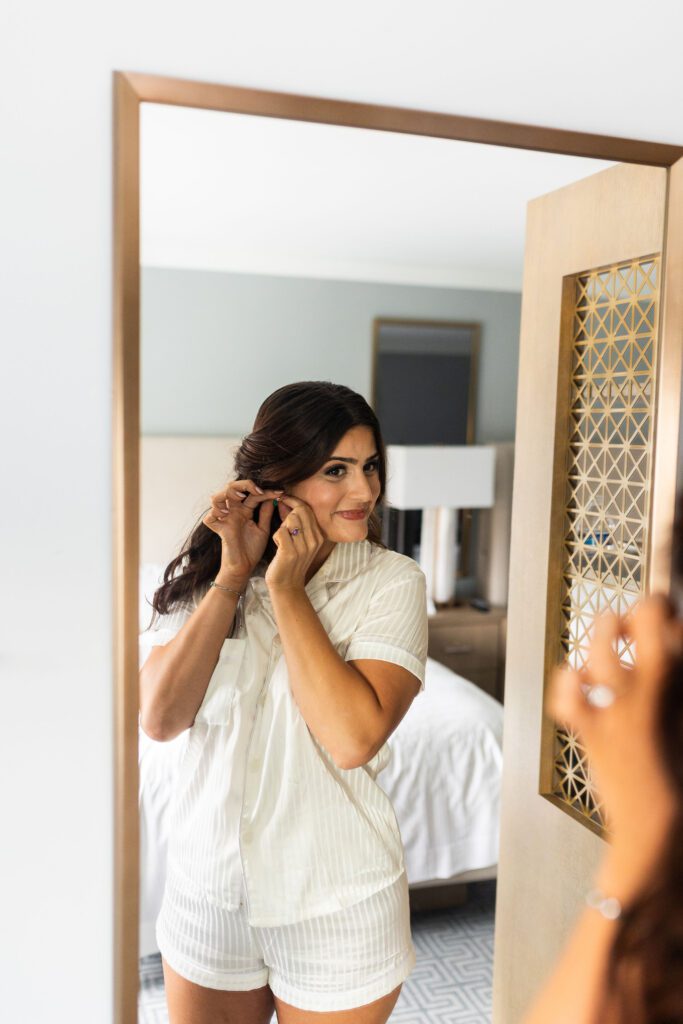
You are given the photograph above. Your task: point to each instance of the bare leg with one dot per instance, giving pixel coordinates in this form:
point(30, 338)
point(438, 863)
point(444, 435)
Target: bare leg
point(194, 1004)
point(377, 1012)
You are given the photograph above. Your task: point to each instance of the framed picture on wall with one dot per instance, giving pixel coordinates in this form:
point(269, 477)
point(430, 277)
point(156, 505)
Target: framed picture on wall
point(424, 391)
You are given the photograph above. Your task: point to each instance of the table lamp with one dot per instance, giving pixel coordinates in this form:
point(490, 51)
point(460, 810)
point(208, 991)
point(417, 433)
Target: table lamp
point(440, 480)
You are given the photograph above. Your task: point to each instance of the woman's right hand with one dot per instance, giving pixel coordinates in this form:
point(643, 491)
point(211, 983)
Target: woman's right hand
point(243, 538)
point(621, 735)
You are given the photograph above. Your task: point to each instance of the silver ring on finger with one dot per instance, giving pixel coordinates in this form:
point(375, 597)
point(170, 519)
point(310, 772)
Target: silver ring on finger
point(600, 696)
point(294, 532)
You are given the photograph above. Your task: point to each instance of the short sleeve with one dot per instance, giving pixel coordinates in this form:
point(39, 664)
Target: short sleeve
point(394, 627)
point(163, 629)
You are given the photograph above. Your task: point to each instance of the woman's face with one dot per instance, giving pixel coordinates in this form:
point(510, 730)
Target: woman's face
point(345, 489)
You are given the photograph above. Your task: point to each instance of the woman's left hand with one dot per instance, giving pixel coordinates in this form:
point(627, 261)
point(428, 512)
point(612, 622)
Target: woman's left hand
point(298, 541)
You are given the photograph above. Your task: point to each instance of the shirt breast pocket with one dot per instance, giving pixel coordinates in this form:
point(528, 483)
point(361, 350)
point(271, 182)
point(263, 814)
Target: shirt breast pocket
point(225, 684)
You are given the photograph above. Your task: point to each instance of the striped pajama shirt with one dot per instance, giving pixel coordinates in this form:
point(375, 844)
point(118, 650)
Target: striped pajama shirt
point(273, 847)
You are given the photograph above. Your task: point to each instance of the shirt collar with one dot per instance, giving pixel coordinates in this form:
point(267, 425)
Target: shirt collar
point(344, 562)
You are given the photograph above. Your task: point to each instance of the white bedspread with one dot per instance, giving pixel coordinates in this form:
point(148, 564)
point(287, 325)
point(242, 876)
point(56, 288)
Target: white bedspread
point(443, 780)
point(444, 777)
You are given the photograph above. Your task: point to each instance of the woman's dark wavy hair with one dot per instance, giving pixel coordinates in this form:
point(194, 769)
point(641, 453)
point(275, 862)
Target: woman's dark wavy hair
point(295, 432)
point(645, 980)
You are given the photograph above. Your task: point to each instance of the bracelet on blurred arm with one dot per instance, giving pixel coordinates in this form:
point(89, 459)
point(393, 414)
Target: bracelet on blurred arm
point(229, 590)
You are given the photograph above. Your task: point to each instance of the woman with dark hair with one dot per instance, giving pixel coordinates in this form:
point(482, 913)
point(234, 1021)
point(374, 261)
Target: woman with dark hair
point(290, 643)
point(624, 961)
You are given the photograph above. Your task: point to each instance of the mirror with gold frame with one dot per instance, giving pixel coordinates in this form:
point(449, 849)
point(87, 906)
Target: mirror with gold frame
point(131, 92)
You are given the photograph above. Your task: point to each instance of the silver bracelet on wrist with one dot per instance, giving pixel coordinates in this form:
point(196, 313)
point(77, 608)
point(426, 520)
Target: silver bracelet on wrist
point(219, 586)
point(608, 906)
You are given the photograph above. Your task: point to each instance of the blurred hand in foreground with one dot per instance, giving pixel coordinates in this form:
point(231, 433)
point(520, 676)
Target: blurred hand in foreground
point(615, 710)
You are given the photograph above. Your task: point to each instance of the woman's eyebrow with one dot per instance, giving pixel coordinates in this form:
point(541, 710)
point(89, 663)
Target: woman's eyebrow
point(342, 458)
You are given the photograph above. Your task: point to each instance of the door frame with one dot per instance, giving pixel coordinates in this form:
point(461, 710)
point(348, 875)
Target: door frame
point(130, 90)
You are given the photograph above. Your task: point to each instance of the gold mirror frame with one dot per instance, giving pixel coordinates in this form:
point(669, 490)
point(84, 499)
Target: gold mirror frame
point(130, 90)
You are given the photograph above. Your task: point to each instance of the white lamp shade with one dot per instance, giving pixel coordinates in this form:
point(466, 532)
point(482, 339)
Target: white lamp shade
point(433, 476)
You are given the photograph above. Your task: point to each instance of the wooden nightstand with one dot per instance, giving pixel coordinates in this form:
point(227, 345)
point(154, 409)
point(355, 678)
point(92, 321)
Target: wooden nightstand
point(472, 643)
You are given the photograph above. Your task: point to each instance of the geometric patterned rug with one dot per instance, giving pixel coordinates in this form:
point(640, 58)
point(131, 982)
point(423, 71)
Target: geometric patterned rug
point(451, 981)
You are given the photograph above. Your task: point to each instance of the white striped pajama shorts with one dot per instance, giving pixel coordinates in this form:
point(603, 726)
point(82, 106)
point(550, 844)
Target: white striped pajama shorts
point(334, 962)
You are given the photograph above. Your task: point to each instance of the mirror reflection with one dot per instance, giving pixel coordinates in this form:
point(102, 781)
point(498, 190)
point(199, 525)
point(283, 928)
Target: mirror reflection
point(321, 735)
point(424, 391)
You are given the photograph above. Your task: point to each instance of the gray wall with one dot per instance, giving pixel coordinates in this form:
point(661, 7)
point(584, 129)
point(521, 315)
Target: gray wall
point(215, 344)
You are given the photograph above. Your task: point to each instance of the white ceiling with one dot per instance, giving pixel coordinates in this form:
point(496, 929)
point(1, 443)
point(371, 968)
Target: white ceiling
point(235, 193)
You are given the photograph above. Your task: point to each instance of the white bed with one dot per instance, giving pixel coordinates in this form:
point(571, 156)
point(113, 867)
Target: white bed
point(443, 780)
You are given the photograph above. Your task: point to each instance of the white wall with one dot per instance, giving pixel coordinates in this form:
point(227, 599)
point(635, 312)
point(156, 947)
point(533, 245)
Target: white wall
point(496, 60)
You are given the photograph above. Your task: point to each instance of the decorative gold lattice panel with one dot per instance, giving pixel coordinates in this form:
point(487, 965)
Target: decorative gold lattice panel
point(608, 469)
